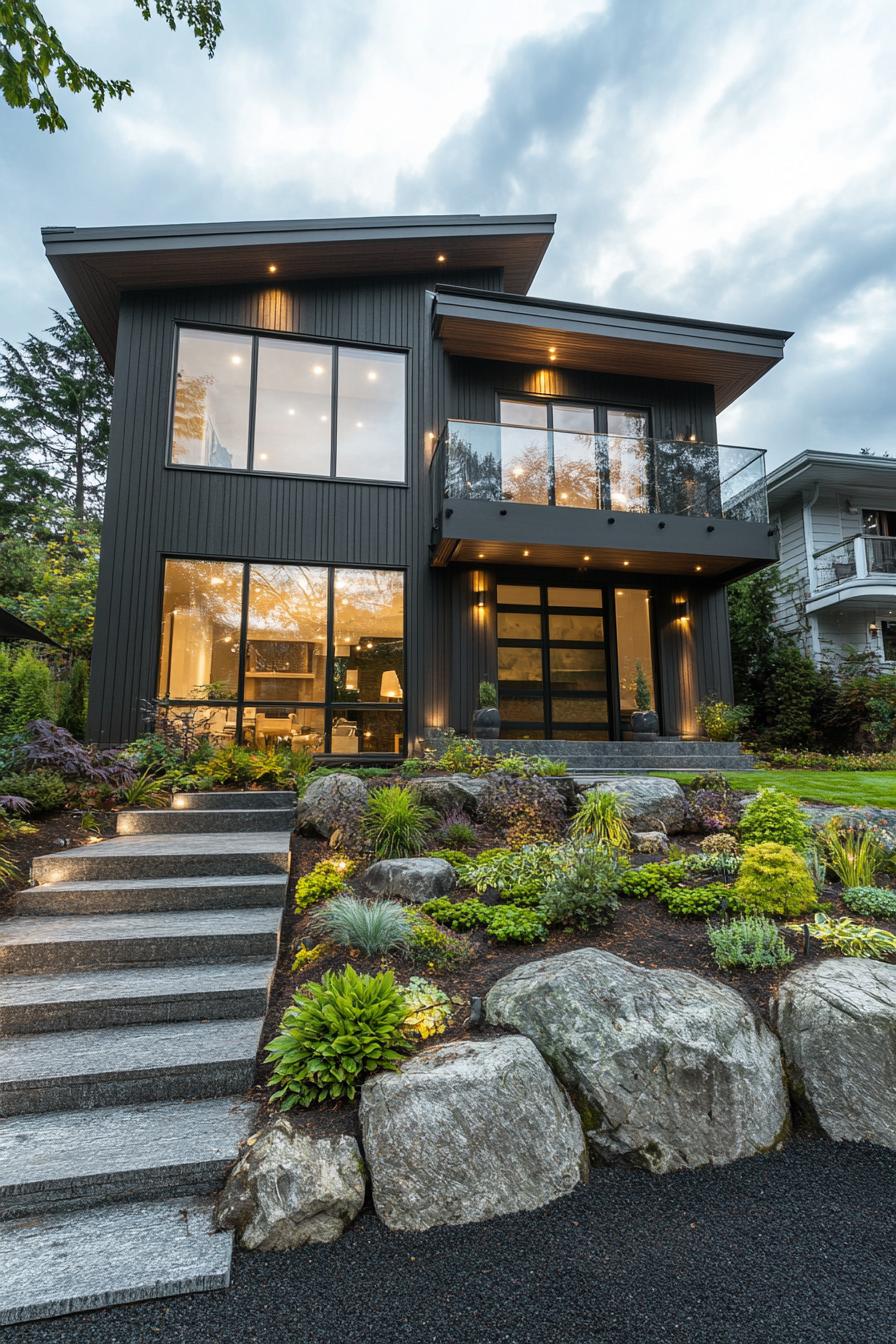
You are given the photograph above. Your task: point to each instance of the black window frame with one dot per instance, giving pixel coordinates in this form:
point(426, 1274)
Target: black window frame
point(256, 334)
point(328, 706)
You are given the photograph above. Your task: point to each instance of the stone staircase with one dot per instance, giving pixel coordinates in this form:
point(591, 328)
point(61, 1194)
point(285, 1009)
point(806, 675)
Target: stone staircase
point(134, 982)
point(668, 754)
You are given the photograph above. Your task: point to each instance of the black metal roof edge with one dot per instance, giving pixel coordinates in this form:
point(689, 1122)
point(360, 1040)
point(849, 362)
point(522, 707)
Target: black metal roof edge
point(559, 305)
point(392, 227)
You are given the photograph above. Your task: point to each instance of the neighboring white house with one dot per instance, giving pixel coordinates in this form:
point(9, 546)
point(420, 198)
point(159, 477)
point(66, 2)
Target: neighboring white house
point(836, 516)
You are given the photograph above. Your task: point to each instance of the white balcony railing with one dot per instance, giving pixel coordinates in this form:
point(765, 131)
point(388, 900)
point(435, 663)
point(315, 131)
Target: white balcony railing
point(857, 557)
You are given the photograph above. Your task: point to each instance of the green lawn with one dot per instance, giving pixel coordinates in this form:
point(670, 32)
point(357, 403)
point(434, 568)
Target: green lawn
point(876, 788)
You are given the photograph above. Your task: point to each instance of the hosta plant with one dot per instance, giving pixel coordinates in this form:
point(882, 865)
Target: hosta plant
point(395, 823)
point(373, 927)
point(519, 875)
point(601, 819)
point(849, 937)
point(875, 902)
point(429, 1009)
point(335, 1033)
point(751, 943)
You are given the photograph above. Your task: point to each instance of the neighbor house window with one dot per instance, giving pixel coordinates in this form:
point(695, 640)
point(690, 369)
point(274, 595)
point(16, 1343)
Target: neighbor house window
point(287, 406)
point(308, 656)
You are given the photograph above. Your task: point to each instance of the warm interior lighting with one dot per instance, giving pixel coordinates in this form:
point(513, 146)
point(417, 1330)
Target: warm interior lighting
point(236, 359)
point(390, 686)
point(291, 411)
point(262, 457)
point(481, 555)
point(272, 268)
point(552, 349)
point(318, 369)
point(697, 569)
point(872, 629)
point(372, 376)
point(525, 552)
point(552, 358)
point(359, 424)
point(586, 557)
point(564, 495)
point(351, 678)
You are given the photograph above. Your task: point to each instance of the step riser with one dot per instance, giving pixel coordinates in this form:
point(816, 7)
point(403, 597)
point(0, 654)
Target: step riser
point(204, 1178)
point(81, 866)
point(105, 954)
point(218, 802)
point(40, 901)
point(219, 1079)
point(203, 822)
point(90, 1016)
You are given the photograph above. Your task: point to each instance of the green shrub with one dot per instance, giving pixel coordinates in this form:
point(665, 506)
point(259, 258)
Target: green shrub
point(854, 854)
point(464, 756)
point(148, 789)
point(705, 900)
point(513, 924)
point(714, 865)
point(457, 834)
point(720, 843)
point(651, 879)
point(32, 685)
point(7, 688)
point(720, 721)
point(456, 857)
point(72, 711)
point(396, 823)
point(231, 764)
point(777, 817)
point(850, 938)
point(517, 875)
point(581, 891)
point(373, 927)
point(44, 789)
point(488, 695)
point(522, 811)
point(412, 768)
point(874, 902)
point(458, 915)
point(433, 947)
point(601, 819)
point(751, 942)
point(774, 880)
point(335, 1033)
point(326, 879)
point(524, 766)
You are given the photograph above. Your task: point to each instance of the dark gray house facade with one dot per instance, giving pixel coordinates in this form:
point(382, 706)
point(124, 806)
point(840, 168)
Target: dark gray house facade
point(355, 469)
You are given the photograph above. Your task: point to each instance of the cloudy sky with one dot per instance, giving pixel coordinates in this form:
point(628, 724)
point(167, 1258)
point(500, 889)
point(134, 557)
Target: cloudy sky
point(705, 157)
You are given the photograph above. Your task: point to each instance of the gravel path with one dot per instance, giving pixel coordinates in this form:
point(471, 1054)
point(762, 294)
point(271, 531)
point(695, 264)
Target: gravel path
point(795, 1246)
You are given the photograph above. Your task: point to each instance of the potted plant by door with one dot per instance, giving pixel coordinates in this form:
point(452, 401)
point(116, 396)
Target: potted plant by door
point(644, 723)
point(486, 719)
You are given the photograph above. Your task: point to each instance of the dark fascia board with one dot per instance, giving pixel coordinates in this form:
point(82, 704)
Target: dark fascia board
point(96, 265)
point(526, 310)
point(842, 470)
point(11, 627)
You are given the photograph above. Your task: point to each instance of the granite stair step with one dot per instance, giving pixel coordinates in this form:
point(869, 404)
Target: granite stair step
point(117, 1066)
point(32, 944)
point(239, 801)
point(71, 1159)
point(98, 1257)
point(143, 895)
point(167, 821)
point(86, 1000)
point(180, 856)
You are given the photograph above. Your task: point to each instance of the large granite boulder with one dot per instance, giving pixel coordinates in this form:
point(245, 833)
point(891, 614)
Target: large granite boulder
point(881, 819)
point(416, 880)
point(567, 788)
point(287, 1189)
point(467, 1131)
point(449, 793)
point(668, 1070)
point(333, 803)
point(650, 804)
point(837, 1023)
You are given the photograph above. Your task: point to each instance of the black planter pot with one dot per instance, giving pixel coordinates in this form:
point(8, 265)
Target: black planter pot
point(486, 724)
point(645, 725)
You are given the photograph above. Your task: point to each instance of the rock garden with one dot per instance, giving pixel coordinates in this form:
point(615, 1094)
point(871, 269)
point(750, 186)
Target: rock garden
point(492, 977)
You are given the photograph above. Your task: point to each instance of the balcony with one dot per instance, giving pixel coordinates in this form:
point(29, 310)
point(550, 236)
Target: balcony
point(517, 494)
point(861, 566)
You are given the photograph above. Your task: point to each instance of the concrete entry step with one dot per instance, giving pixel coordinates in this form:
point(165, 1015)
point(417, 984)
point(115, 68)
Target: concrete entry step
point(248, 798)
point(117, 1253)
point(148, 894)
point(180, 856)
point(31, 944)
point(61, 1161)
point(117, 1066)
point(168, 822)
point(86, 1000)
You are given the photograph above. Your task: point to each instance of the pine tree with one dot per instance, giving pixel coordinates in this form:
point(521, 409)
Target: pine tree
point(73, 700)
point(33, 682)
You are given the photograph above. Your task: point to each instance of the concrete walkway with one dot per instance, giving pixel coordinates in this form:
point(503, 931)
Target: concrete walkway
point(134, 981)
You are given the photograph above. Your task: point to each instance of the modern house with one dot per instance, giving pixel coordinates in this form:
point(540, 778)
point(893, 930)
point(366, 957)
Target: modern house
point(836, 515)
point(356, 468)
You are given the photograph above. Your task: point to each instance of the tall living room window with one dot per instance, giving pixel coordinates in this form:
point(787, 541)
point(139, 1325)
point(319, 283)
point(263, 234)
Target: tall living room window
point(309, 656)
point(288, 407)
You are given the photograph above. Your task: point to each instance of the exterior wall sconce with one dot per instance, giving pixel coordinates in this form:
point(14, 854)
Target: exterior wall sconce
point(873, 630)
point(479, 597)
point(682, 608)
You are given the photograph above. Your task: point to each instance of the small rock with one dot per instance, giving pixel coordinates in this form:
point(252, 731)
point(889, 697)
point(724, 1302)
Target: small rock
point(330, 804)
point(837, 1022)
point(287, 1189)
point(415, 880)
point(650, 842)
point(467, 1131)
point(651, 804)
point(668, 1070)
point(447, 793)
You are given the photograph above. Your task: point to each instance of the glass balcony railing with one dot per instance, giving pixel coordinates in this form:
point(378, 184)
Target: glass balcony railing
point(479, 460)
point(859, 556)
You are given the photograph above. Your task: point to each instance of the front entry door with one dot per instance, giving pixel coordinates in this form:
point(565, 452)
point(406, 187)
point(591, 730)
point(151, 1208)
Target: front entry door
point(552, 662)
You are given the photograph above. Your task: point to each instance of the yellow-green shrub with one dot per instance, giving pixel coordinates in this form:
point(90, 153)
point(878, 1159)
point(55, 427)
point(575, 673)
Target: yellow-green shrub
point(774, 880)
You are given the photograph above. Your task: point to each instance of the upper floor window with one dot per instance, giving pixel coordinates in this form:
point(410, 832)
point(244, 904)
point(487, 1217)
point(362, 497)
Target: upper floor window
point(292, 407)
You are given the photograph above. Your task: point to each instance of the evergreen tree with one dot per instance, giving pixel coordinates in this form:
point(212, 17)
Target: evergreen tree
point(73, 700)
point(33, 687)
point(55, 399)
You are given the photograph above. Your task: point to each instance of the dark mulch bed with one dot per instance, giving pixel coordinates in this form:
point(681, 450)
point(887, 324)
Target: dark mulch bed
point(56, 831)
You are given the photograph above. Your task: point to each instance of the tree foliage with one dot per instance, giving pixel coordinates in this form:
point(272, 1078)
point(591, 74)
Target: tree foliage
point(32, 55)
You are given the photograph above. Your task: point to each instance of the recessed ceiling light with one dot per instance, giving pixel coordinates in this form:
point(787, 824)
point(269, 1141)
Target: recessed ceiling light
point(236, 359)
point(625, 564)
point(482, 555)
point(291, 411)
point(441, 257)
point(359, 424)
point(272, 268)
point(552, 349)
point(698, 568)
point(323, 419)
point(318, 369)
point(552, 358)
point(372, 376)
point(525, 552)
point(586, 557)
point(262, 457)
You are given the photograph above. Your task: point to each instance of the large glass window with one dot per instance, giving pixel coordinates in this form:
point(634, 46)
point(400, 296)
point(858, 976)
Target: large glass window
point(634, 647)
point(628, 452)
point(292, 407)
point(317, 662)
point(211, 400)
